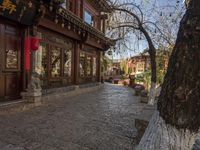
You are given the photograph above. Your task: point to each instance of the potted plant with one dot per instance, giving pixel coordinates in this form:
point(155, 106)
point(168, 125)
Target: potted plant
point(144, 96)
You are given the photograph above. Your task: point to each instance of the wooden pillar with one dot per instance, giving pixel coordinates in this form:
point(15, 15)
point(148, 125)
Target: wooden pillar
point(99, 67)
point(82, 10)
point(26, 73)
point(76, 7)
point(76, 63)
point(104, 26)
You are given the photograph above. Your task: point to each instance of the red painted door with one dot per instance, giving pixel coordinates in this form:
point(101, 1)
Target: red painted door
point(10, 62)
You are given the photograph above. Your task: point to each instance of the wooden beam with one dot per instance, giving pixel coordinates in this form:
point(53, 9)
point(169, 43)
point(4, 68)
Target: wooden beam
point(55, 27)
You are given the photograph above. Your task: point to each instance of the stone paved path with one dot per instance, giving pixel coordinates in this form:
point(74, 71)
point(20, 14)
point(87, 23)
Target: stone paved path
point(102, 120)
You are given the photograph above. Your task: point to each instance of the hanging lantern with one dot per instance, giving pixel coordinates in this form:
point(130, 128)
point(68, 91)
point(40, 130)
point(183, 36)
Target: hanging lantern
point(62, 25)
point(60, 10)
point(74, 28)
point(79, 31)
point(51, 8)
point(69, 26)
point(84, 33)
point(109, 52)
point(30, 4)
point(24, 8)
point(56, 19)
point(35, 43)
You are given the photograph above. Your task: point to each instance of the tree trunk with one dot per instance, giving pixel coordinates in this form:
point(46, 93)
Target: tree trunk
point(162, 136)
point(152, 54)
point(152, 93)
point(178, 120)
point(179, 101)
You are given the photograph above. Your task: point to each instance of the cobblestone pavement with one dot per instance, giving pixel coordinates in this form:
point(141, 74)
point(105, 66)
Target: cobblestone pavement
point(102, 120)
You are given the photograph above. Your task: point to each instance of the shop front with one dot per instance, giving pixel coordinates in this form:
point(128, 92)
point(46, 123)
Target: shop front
point(88, 65)
point(15, 19)
point(54, 59)
point(68, 53)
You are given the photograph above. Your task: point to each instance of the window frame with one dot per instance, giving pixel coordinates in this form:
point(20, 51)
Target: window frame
point(48, 39)
point(90, 15)
point(88, 77)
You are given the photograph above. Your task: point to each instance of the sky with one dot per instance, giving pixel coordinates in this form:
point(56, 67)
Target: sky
point(149, 7)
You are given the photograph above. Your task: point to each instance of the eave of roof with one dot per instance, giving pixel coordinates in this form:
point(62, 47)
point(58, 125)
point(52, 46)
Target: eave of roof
point(102, 5)
point(79, 22)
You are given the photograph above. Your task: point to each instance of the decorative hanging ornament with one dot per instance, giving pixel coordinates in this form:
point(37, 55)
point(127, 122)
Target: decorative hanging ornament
point(109, 52)
point(30, 4)
point(62, 25)
point(56, 20)
point(51, 7)
point(60, 10)
point(79, 31)
point(84, 34)
point(74, 28)
point(35, 42)
point(69, 26)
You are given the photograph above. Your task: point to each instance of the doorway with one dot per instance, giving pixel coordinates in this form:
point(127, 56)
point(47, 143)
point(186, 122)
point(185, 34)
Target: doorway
point(10, 62)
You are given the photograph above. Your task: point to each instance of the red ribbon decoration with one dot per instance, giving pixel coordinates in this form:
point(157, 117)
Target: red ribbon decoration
point(27, 47)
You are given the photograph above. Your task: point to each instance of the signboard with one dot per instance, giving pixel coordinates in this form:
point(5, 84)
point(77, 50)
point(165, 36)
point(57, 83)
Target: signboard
point(17, 11)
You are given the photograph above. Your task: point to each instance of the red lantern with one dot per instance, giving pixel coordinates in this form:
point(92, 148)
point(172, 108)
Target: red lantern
point(35, 42)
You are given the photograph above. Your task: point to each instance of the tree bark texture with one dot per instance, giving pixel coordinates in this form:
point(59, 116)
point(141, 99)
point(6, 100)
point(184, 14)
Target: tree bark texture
point(179, 102)
point(162, 136)
point(152, 93)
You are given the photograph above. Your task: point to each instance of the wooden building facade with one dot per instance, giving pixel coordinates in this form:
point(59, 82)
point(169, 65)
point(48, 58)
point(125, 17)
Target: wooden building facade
point(60, 40)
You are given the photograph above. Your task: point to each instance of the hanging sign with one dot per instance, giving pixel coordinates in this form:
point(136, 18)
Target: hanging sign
point(18, 11)
point(8, 5)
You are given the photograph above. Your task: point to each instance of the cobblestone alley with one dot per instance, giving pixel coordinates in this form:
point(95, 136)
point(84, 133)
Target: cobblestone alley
point(102, 120)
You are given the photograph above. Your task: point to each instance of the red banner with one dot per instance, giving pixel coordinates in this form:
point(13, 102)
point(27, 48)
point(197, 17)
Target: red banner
point(27, 47)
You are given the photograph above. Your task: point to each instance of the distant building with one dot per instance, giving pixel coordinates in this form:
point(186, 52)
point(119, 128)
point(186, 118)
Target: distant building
point(113, 69)
point(139, 64)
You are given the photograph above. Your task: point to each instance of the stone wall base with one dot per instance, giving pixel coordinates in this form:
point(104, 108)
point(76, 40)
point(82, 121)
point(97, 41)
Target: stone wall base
point(70, 91)
point(48, 95)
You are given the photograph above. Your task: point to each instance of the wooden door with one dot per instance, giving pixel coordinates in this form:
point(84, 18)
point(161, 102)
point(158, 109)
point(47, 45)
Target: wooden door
point(10, 62)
